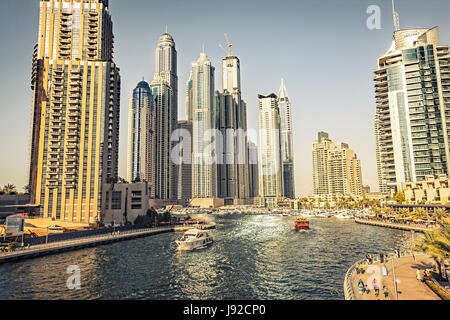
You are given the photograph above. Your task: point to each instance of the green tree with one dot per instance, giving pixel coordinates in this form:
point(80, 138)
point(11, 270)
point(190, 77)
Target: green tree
point(419, 213)
point(436, 243)
point(9, 189)
point(399, 197)
point(388, 211)
point(440, 213)
point(404, 211)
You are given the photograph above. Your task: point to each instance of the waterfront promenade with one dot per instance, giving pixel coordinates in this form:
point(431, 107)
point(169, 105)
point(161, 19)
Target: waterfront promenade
point(408, 287)
point(79, 243)
point(399, 226)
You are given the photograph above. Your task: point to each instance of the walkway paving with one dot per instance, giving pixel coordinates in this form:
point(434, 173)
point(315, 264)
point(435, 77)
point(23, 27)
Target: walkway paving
point(408, 287)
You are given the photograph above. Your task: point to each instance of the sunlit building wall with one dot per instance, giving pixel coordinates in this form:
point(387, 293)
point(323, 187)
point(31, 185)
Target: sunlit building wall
point(75, 123)
point(412, 90)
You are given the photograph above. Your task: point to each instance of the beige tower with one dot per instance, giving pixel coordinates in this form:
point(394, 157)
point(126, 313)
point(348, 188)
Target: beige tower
point(75, 124)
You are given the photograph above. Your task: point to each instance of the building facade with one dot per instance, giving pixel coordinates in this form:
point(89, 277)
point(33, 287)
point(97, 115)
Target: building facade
point(124, 202)
point(286, 140)
point(336, 168)
point(166, 72)
point(270, 171)
point(412, 90)
point(163, 165)
point(185, 165)
point(432, 190)
point(141, 123)
point(204, 175)
point(76, 105)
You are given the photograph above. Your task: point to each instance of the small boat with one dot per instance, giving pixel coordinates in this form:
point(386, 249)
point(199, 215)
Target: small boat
point(301, 224)
point(193, 239)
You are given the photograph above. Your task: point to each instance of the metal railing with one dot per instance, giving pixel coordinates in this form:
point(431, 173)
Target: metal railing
point(84, 240)
point(349, 292)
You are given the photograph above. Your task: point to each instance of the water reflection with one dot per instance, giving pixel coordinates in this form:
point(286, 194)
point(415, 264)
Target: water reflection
point(252, 257)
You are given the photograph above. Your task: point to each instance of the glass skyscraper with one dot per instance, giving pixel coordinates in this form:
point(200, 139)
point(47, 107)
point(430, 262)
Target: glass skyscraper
point(140, 134)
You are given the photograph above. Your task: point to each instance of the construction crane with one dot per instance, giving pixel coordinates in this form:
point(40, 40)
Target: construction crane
point(229, 44)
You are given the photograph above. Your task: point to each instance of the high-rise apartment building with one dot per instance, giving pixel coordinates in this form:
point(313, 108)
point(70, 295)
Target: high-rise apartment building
point(167, 113)
point(141, 125)
point(336, 168)
point(76, 103)
point(412, 90)
point(269, 150)
point(287, 149)
point(204, 175)
point(233, 173)
point(253, 180)
point(164, 167)
point(184, 183)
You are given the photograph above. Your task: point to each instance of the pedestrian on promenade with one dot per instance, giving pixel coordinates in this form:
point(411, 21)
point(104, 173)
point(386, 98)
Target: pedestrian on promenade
point(361, 268)
point(366, 288)
point(386, 292)
point(418, 276)
point(376, 287)
point(361, 287)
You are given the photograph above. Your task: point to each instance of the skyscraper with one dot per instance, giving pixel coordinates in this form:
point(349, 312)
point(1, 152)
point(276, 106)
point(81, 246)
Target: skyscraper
point(336, 169)
point(233, 173)
point(269, 151)
point(141, 120)
point(184, 183)
point(164, 168)
point(75, 124)
point(287, 151)
point(166, 70)
point(204, 167)
point(412, 85)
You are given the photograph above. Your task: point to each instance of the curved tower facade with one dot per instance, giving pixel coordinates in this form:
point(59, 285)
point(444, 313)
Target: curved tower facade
point(140, 130)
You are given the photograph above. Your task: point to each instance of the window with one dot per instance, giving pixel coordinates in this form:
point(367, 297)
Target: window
point(116, 201)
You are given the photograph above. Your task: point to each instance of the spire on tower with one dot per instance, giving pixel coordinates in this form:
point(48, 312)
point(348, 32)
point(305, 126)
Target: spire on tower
point(396, 17)
point(282, 93)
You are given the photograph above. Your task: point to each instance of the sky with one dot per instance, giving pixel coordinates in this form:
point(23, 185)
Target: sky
point(322, 48)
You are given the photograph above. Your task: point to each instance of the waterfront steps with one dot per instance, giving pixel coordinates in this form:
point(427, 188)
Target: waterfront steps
point(80, 243)
point(399, 226)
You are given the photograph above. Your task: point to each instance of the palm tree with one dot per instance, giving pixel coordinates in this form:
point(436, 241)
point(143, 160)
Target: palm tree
point(440, 213)
point(404, 211)
point(420, 213)
point(436, 243)
point(9, 189)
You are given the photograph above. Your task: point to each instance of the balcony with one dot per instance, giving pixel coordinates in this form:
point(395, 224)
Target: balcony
point(65, 35)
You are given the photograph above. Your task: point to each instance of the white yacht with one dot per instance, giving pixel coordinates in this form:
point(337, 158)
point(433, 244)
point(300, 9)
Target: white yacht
point(193, 239)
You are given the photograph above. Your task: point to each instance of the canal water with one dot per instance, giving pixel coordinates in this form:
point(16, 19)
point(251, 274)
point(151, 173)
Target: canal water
point(253, 257)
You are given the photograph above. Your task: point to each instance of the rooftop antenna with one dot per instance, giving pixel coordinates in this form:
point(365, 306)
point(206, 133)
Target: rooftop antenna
point(203, 48)
point(396, 17)
point(167, 29)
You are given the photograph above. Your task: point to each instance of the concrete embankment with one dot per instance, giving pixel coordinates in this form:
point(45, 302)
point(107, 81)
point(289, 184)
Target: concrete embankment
point(75, 244)
point(399, 226)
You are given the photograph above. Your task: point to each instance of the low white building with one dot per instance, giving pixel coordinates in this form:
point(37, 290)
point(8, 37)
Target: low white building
point(125, 201)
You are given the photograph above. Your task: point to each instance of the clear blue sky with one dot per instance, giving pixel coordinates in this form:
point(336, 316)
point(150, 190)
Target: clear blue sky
point(322, 49)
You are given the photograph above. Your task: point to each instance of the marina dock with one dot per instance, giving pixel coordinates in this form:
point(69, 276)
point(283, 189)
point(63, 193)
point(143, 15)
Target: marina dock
point(399, 226)
point(80, 243)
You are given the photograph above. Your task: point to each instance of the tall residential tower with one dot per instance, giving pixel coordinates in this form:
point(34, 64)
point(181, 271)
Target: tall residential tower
point(75, 123)
point(287, 150)
point(412, 90)
point(204, 175)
